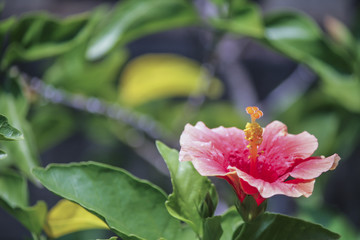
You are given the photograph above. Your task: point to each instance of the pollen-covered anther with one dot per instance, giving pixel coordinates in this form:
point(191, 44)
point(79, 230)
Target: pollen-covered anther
point(253, 133)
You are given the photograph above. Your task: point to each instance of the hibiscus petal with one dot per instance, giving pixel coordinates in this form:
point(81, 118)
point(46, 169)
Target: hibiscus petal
point(275, 134)
point(314, 166)
point(280, 150)
point(272, 131)
point(232, 135)
point(293, 188)
point(197, 146)
point(208, 148)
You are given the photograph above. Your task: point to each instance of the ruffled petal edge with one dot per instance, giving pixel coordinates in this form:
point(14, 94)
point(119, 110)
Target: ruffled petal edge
point(206, 147)
point(292, 188)
point(314, 166)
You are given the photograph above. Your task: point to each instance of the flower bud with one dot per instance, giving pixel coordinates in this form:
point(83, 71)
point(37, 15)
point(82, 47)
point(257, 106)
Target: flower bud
point(249, 210)
point(207, 208)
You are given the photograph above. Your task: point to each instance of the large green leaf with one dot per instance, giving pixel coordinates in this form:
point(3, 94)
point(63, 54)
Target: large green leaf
point(134, 18)
point(14, 198)
point(244, 19)
point(7, 132)
point(230, 221)
point(14, 106)
point(212, 228)
point(40, 35)
point(133, 208)
point(194, 197)
point(280, 227)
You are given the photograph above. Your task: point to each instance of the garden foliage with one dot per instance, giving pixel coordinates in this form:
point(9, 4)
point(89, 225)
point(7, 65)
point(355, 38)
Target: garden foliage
point(85, 54)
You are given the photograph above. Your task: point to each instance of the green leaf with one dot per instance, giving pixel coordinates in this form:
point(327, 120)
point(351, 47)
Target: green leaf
point(289, 32)
point(230, 221)
point(13, 189)
point(14, 197)
point(135, 18)
point(14, 105)
point(40, 35)
point(33, 218)
point(194, 197)
point(298, 37)
point(123, 201)
point(280, 227)
point(7, 132)
point(245, 20)
point(212, 228)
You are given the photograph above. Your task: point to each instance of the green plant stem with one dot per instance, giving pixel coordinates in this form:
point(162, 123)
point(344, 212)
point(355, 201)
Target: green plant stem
point(36, 236)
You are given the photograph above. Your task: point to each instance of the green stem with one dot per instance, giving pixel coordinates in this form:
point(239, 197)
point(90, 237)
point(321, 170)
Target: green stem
point(36, 236)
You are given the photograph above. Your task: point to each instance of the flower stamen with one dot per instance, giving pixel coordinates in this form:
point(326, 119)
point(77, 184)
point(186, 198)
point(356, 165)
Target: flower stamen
point(253, 134)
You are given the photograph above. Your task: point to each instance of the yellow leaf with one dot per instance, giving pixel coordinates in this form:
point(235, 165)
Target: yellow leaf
point(67, 217)
point(157, 76)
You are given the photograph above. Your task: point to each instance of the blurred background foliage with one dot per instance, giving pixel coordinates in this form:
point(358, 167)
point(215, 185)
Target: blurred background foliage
point(102, 80)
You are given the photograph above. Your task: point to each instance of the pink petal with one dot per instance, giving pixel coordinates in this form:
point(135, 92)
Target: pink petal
point(314, 166)
point(209, 149)
point(279, 150)
point(275, 134)
point(294, 188)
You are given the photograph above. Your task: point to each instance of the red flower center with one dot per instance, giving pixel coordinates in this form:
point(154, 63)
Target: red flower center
point(238, 159)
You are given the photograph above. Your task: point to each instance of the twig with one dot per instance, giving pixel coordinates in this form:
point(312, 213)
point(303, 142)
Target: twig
point(92, 105)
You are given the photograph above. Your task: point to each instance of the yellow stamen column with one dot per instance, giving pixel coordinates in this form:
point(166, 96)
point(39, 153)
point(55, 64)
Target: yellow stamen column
point(253, 134)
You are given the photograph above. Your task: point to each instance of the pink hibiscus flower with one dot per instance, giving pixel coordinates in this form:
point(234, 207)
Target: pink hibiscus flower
point(258, 162)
